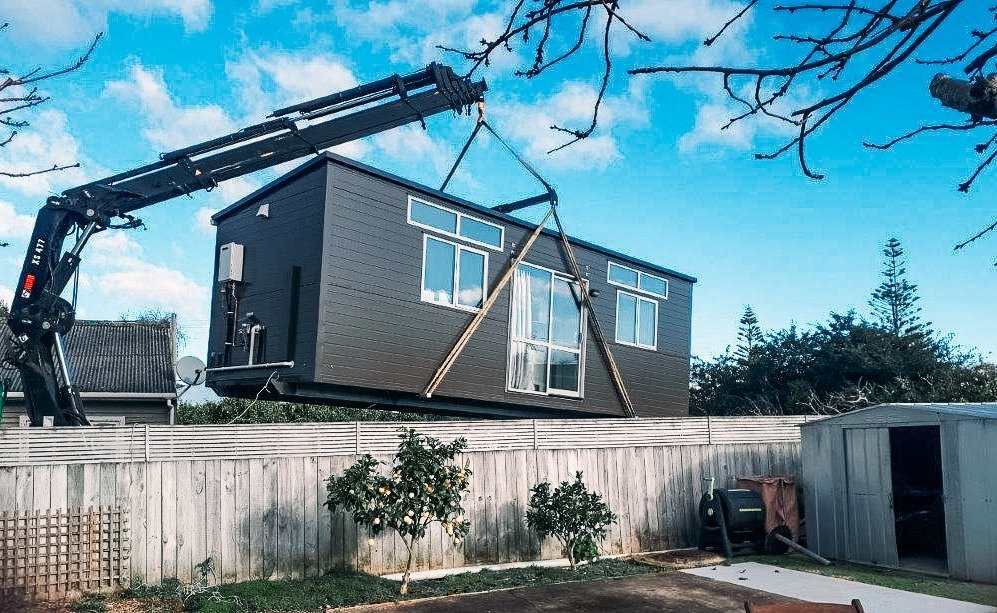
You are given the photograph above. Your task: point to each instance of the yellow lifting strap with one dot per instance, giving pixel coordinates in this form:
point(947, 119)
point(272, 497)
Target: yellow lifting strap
point(479, 318)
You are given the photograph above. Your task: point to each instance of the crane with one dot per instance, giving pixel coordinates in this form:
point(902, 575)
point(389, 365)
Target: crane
point(39, 317)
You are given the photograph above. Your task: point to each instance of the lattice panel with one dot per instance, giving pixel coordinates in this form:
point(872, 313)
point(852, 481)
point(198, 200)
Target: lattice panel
point(57, 552)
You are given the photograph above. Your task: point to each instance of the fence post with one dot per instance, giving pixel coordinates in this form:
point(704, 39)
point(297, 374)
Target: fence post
point(535, 447)
point(147, 442)
point(357, 433)
point(709, 430)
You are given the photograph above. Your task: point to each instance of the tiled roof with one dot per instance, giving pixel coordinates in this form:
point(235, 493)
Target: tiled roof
point(114, 356)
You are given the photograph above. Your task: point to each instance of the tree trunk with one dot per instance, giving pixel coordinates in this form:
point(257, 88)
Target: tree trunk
point(571, 554)
point(978, 98)
point(408, 567)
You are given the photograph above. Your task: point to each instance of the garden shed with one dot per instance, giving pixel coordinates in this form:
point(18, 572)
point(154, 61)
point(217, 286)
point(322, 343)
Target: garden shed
point(905, 486)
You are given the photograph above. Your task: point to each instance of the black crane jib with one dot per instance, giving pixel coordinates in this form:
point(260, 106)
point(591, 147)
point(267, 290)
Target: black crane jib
point(39, 316)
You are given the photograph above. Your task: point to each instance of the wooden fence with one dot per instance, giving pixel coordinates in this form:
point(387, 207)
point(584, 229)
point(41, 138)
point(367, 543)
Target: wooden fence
point(250, 497)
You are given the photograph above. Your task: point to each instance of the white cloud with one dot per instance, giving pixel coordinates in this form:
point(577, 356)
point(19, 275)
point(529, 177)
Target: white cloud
point(411, 29)
point(571, 106)
point(6, 294)
point(116, 268)
point(65, 23)
point(412, 144)
point(45, 143)
point(678, 21)
point(269, 79)
point(266, 6)
point(202, 219)
point(169, 125)
point(237, 188)
point(144, 285)
point(14, 225)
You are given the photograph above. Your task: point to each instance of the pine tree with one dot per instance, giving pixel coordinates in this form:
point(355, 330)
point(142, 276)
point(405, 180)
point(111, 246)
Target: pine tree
point(749, 336)
point(894, 302)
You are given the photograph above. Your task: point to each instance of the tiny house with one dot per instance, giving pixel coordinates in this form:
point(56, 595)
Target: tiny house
point(905, 486)
point(339, 283)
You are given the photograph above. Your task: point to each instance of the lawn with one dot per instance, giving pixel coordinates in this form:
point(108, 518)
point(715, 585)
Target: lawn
point(346, 588)
point(935, 586)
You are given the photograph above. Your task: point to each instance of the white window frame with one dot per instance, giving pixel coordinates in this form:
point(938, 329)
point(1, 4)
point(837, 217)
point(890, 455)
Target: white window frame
point(640, 275)
point(636, 343)
point(455, 304)
point(558, 393)
point(460, 218)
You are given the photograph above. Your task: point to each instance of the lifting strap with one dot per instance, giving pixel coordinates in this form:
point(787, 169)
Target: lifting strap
point(479, 318)
point(600, 338)
point(550, 196)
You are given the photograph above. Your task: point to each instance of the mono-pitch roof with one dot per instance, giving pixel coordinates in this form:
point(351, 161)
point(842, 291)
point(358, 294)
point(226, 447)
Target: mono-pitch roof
point(327, 157)
point(119, 357)
point(972, 410)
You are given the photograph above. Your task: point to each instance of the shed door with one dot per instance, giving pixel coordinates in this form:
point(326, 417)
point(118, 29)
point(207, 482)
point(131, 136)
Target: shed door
point(872, 537)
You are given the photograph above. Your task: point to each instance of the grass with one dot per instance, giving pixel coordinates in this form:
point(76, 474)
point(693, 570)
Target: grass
point(346, 588)
point(900, 580)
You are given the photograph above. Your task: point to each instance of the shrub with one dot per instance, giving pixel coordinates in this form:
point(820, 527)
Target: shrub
point(576, 517)
point(425, 486)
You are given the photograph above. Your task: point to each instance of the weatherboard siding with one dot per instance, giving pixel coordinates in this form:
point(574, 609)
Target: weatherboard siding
point(376, 332)
point(363, 332)
point(291, 236)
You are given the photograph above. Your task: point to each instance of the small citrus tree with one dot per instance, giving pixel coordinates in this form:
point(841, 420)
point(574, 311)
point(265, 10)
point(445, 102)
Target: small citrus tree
point(425, 486)
point(576, 517)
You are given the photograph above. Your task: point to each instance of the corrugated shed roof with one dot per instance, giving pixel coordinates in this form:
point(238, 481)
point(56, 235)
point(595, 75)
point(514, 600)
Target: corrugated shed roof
point(975, 410)
point(114, 356)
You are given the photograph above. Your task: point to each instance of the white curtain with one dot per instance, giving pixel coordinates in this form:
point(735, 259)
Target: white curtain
point(520, 373)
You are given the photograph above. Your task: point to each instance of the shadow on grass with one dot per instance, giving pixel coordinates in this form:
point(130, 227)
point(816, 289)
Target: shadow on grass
point(344, 588)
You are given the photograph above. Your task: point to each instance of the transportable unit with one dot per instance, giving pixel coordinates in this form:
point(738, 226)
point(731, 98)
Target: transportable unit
point(365, 280)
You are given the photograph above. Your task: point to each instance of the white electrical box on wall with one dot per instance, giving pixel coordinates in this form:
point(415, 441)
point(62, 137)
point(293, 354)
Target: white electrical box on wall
point(230, 258)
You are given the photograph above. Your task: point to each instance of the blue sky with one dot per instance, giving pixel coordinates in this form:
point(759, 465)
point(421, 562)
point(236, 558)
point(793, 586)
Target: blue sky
point(658, 181)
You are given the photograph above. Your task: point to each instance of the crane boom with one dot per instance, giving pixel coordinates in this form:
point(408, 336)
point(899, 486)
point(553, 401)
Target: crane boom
point(39, 316)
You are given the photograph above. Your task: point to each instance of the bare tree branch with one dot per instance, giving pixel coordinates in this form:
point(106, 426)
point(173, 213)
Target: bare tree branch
point(837, 50)
point(31, 173)
point(17, 97)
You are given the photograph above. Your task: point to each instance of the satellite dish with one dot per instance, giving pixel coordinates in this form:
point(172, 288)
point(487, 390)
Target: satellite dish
point(190, 370)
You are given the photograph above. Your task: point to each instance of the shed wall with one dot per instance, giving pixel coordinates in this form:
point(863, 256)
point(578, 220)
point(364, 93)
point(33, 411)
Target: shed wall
point(976, 483)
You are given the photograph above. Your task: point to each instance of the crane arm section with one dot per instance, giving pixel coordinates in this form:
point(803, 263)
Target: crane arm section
point(39, 316)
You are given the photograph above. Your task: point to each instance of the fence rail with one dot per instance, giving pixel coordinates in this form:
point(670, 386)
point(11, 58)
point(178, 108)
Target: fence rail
point(47, 446)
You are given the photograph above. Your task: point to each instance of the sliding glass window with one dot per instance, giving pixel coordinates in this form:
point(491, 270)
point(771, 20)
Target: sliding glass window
point(546, 330)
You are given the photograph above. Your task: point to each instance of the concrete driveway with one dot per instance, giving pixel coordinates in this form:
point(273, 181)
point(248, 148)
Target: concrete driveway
point(654, 593)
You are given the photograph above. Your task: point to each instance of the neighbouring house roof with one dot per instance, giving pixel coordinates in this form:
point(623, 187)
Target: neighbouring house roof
point(972, 410)
point(328, 157)
point(115, 358)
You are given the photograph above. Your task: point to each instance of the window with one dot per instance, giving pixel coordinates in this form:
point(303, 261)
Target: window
point(453, 275)
point(640, 281)
point(546, 333)
point(636, 320)
point(452, 223)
